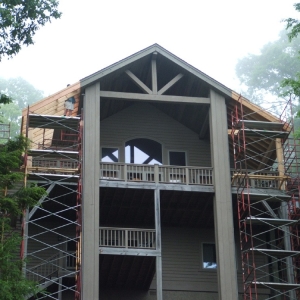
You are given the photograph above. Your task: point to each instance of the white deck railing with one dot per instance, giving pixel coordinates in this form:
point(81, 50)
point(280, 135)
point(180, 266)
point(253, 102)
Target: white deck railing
point(55, 163)
point(156, 173)
point(127, 237)
point(257, 179)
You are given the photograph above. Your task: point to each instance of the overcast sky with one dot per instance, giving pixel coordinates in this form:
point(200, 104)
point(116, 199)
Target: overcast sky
point(92, 34)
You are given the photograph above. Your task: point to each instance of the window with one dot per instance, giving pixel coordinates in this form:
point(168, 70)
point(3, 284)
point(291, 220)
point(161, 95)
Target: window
point(71, 256)
point(110, 155)
point(143, 151)
point(209, 258)
point(177, 158)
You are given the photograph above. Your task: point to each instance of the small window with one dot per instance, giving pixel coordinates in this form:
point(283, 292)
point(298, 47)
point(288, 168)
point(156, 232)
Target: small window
point(177, 158)
point(209, 256)
point(110, 155)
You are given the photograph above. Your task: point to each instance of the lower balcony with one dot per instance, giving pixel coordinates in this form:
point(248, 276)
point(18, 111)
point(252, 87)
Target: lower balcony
point(127, 241)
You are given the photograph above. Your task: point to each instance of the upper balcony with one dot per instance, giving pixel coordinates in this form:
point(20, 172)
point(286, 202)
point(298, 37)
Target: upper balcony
point(148, 176)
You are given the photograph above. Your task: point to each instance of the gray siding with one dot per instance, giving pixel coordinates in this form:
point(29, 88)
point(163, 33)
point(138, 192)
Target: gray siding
point(142, 120)
point(44, 244)
point(182, 260)
point(182, 263)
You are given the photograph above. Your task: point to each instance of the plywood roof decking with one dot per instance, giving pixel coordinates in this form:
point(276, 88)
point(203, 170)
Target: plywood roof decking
point(52, 105)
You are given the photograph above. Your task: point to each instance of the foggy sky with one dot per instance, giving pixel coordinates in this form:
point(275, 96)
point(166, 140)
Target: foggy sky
point(92, 34)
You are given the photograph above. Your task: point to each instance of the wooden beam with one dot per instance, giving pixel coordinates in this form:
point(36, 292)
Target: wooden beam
point(154, 73)
point(138, 82)
point(146, 97)
point(170, 83)
point(280, 160)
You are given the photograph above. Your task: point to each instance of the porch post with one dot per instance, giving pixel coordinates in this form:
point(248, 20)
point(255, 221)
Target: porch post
point(223, 215)
point(159, 295)
point(90, 193)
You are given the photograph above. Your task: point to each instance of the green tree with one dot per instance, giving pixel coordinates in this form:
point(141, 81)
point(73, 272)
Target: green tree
point(291, 84)
point(263, 73)
point(19, 21)
point(13, 284)
point(293, 25)
point(21, 94)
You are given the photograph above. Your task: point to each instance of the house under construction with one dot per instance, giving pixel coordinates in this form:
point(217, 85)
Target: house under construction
point(164, 184)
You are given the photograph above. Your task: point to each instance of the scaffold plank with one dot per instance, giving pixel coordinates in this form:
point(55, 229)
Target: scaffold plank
point(269, 221)
point(52, 153)
point(53, 122)
point(275, 285)
point(275, 253)
point(47, 177)
point(250, 124)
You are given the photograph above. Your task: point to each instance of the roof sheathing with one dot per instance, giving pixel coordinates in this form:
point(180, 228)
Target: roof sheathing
point(54, 104)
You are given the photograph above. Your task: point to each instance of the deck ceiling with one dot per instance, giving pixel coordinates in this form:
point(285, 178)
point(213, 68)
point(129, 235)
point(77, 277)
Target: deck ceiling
point(135, 208)
point(126, 272)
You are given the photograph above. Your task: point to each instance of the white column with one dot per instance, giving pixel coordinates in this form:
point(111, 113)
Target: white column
point(90, 193)
point(159, 295)
point(223, 215)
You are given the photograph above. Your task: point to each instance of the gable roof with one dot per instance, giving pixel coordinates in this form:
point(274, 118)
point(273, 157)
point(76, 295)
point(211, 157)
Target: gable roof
point(53, 105)
point(127, 62)
point(147, 51)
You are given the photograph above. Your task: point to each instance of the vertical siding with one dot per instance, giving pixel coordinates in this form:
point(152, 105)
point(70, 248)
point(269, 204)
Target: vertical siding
point(142, 120)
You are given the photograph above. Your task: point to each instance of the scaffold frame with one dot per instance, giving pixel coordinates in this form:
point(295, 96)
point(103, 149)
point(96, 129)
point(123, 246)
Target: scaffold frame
point(52, 229)
point(267, 228)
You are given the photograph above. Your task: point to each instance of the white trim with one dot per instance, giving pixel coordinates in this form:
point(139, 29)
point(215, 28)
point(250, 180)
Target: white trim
point(202, 260)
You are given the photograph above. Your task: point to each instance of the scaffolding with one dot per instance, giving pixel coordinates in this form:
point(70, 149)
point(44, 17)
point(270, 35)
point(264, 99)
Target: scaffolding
point(267, 187)
point(4, 132)
point(52, 229)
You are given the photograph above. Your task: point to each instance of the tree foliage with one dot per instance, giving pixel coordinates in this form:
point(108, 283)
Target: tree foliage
point(13, 284)
point(263, 73)
point(291, 84)
point(19, 21)
point(293, 25)
point(21, 94)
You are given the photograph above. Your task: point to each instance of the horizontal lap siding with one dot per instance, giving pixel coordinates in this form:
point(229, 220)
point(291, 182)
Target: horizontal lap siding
point(44, 244)
point(181, 260)
point(145, 121)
